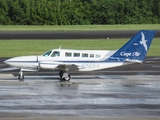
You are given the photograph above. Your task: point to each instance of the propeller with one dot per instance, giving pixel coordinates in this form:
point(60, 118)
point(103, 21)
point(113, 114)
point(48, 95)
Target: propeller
point(38, 64)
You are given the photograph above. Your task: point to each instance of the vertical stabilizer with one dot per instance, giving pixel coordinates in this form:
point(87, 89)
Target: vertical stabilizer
point(136, 48)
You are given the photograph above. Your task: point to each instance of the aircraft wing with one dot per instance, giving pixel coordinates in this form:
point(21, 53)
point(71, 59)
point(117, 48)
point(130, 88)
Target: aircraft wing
point(15, 69)
point(60, 66)
point(8, 69)
point(69, 67)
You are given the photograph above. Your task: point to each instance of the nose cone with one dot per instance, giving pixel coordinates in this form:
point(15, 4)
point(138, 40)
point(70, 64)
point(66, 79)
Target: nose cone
point(23, 61)
point(9, 61)
point(16, 61)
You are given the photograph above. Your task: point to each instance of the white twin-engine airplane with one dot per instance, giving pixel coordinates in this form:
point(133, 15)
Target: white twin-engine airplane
point(66, 61)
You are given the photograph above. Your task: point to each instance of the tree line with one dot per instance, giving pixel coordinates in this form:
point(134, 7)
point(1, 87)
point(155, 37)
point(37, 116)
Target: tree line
point(79, 12)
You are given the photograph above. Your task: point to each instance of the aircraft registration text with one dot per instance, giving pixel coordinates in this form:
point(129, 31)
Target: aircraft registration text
point(90, 66)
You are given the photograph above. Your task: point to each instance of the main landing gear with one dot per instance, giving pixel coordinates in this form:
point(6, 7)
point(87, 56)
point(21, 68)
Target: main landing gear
point(20, 76)
point(64, 75)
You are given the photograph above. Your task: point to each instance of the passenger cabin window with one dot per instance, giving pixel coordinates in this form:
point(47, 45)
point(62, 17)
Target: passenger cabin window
point(55, 54)
point(84, 55)
point(76, 54)
point(98, 56)
point(68, 54)
point(47, 53)
point(91, 55)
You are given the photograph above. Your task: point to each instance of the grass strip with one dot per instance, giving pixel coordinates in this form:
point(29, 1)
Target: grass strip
point(12, 48)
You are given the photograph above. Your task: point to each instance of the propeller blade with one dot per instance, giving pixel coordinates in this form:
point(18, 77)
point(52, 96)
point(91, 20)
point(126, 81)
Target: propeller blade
point(38, 64)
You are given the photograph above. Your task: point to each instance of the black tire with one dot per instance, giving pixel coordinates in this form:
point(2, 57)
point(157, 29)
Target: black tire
point(61, 73)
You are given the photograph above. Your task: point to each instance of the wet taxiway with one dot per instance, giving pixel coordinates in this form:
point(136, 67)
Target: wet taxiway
point(101, 96)
point(92, 96)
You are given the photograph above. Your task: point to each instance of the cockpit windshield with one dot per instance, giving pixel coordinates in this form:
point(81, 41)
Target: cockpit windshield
point(55, 54)
point(47, 53)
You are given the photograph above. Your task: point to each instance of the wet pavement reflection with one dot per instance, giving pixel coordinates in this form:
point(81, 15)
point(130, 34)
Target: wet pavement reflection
point(127, 96)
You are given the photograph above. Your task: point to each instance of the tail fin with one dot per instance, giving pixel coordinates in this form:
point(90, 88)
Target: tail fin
point(136, 48)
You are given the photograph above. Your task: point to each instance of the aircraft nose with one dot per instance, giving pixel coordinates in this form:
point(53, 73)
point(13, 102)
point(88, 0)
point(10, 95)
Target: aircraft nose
point(8, 61)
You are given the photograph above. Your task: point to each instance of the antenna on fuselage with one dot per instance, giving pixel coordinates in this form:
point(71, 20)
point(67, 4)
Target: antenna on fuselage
point(60, 47)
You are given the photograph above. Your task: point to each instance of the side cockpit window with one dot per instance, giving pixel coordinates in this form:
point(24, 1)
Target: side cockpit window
point(47, 53)
point(55, 54)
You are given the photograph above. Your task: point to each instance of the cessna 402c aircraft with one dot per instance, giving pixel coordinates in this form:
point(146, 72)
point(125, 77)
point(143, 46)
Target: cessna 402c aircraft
point(66, 61)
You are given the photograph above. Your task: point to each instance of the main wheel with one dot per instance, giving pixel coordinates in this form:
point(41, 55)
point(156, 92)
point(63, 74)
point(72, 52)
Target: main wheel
point(61, 73)
point(67, 78)
point(20, 77)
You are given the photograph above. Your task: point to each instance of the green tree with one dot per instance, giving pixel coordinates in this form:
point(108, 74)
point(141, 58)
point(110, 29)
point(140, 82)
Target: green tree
point(4, 16)
point(79, 12)
point(18, 11)
point(156, 11)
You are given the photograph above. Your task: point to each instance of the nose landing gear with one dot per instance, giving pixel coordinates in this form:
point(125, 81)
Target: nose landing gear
point(21, 76)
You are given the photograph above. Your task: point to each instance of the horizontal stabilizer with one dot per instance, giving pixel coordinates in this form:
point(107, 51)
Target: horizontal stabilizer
point(133, 61)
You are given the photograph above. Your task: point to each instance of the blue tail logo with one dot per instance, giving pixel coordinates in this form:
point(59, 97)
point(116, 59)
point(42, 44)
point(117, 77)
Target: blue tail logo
point(136, 48)
point(143, 42)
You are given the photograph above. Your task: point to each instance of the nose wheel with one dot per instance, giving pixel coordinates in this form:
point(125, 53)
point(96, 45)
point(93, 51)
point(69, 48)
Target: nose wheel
point(21, 76)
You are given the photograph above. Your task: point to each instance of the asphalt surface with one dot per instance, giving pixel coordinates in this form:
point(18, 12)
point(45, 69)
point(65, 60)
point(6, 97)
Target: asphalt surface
point(9, 35)
point(128, 92)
